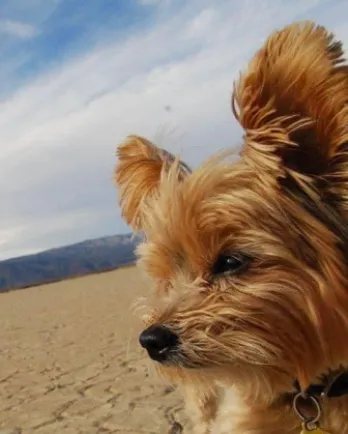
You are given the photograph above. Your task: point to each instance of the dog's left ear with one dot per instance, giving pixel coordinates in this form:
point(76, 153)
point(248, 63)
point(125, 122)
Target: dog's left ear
point(292, 104)
point(140, 168)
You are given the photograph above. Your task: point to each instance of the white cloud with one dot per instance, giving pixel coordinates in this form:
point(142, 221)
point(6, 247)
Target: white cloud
point(153, 2)
point(17, 29)
point(202, 23)
point(58, 134)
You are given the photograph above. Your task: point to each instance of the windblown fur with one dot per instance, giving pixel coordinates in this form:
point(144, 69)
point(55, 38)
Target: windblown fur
point(245, 337)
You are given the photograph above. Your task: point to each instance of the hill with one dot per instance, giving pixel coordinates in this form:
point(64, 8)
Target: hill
point(87, 257)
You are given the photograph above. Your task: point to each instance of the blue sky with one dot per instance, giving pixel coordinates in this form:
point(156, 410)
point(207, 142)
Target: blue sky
point(77, 76)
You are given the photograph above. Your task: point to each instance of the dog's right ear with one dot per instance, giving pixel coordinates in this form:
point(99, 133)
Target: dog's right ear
point(141, 166)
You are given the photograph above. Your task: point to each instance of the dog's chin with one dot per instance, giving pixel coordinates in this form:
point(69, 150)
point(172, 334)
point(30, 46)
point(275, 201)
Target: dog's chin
point(175, 359)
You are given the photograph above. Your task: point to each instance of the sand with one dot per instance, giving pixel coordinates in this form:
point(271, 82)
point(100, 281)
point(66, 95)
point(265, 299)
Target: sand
point(70, 362)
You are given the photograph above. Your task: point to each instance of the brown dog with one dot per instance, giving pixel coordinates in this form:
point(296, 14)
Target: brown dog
point(249, 258)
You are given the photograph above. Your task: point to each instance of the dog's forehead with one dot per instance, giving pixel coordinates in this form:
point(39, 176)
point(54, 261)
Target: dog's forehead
point(211, 190)
point(215, 176)
point(192, 221)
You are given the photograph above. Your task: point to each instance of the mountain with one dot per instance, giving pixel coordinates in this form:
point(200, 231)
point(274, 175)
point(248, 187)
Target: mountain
point(91, 256)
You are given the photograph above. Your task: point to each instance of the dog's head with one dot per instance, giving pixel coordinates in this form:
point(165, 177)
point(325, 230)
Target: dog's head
point(248, 258)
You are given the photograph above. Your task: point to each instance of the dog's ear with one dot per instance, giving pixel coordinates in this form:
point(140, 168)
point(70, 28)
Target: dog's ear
point(138, 173)
point(292, 104)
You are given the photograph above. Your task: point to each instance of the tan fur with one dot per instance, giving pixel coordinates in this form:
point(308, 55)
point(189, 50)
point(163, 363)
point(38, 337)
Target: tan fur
point(246, 337)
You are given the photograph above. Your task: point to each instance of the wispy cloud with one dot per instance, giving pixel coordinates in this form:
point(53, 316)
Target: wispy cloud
point(18, 29)
point(167, 72)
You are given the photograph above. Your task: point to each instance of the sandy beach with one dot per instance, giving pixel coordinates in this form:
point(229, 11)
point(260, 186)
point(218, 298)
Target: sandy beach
point(70, 362)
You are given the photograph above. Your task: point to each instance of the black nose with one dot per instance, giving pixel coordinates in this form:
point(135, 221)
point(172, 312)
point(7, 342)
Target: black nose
point(159, 341)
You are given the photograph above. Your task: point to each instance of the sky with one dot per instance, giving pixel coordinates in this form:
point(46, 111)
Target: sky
point(78, 76)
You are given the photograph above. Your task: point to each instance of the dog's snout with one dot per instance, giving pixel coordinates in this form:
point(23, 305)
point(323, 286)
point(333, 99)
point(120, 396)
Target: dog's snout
point(159, 341)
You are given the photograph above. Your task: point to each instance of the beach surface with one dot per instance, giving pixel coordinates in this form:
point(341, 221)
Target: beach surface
point(70, 362)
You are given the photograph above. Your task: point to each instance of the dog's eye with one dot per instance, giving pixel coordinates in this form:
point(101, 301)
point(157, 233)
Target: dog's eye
point(230, 264)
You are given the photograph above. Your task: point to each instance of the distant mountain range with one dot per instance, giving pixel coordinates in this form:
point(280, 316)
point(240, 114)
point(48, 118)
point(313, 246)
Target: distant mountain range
point(87, 257)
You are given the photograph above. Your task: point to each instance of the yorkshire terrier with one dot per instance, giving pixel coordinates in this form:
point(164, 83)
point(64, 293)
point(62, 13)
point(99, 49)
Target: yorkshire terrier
point(249, 259)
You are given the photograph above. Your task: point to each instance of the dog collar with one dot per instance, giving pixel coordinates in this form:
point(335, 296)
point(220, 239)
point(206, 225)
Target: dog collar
point(337, 388)
point(332, 385)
